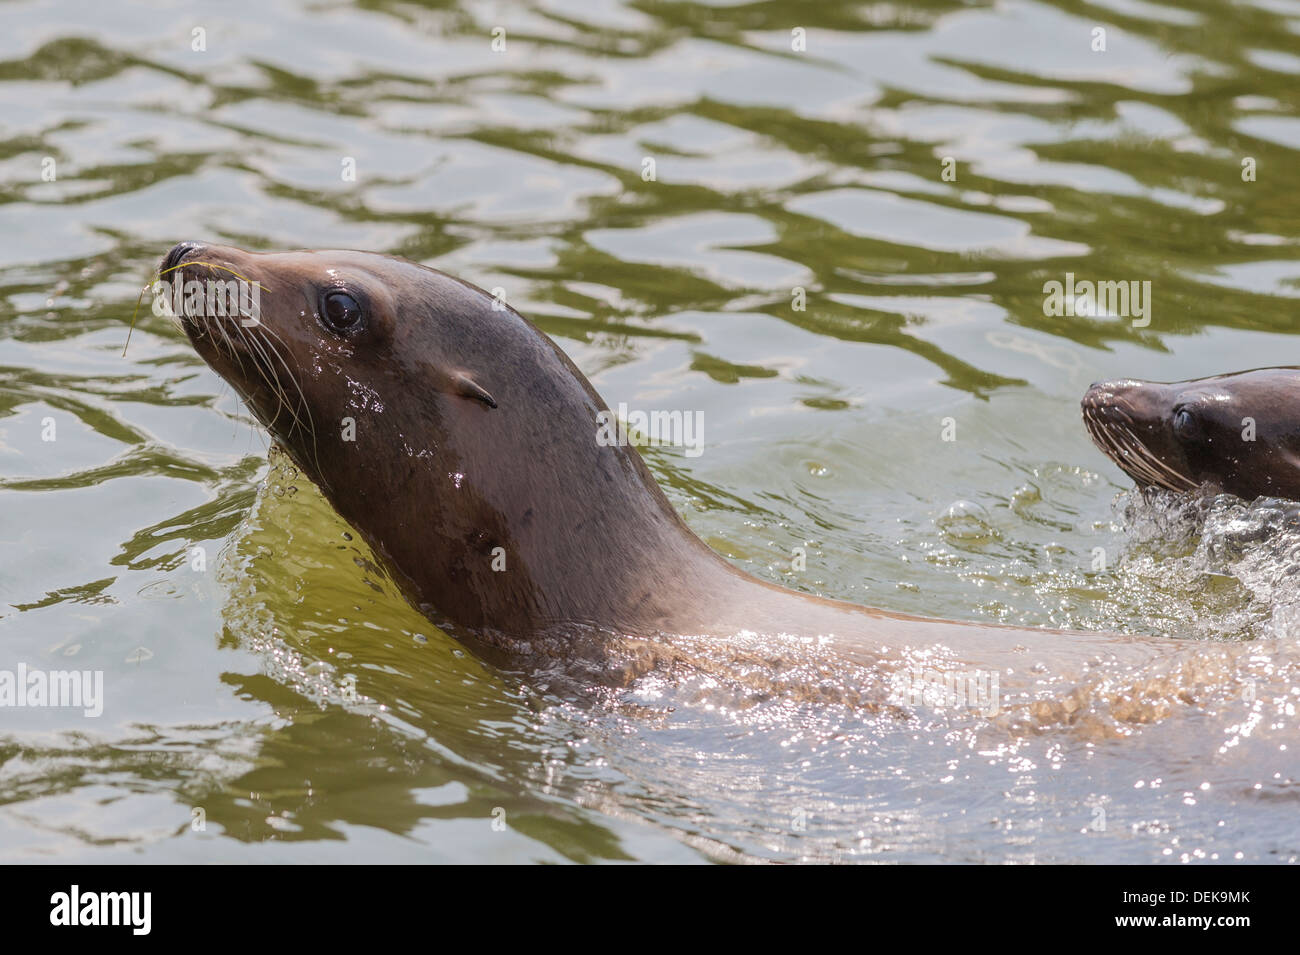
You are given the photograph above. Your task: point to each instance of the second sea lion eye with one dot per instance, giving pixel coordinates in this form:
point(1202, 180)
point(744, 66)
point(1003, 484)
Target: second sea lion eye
point(341, 312)
point(1186, 426)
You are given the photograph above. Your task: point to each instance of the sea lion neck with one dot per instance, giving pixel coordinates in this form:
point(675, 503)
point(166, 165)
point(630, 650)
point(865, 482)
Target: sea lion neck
point(458, 440)
point(529, 524)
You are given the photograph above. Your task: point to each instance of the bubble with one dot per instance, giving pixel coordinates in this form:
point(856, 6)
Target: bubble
point(966, 521)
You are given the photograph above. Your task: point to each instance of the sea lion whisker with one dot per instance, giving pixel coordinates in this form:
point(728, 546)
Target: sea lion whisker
point(231, 352)
point(1154, 463)
point(269, 339)
point(268, 374)
point(261, 362)
point(1137, 463)
point(1104, 438)
point(1117, 439)
point(1097, 431)
point(1156, 470)
point(306, 406)
point(1130, 457)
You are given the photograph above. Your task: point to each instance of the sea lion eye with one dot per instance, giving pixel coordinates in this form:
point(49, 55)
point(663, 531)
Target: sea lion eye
point(341, 312)
point(1186, 425)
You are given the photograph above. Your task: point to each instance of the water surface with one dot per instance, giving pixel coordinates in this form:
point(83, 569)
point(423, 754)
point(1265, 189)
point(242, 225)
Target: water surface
point(230, 688)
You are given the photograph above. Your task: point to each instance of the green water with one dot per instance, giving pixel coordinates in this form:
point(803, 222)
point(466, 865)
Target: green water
point(229, 670)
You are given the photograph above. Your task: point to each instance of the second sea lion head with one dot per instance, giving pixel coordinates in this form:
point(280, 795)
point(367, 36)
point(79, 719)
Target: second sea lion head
point(1238, 433)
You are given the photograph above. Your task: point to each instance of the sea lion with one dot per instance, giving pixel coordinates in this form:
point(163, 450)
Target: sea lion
point(461, 443)
point(1237, 433)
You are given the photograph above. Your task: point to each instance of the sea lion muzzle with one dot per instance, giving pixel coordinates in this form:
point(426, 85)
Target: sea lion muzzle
point(1127, 420)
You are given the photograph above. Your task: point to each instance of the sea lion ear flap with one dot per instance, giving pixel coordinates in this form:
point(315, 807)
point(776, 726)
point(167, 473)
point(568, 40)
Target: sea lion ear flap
point(469, 388)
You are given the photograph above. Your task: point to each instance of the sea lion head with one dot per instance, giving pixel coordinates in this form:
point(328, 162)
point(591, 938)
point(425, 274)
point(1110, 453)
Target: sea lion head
point(456, 437)
point(1237, 433)
point(308, 332)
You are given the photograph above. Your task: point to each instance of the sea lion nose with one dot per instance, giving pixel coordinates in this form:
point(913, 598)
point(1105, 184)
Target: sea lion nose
point(1112, 389)
point(1096, 393)
point(176, 253)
